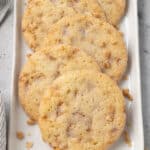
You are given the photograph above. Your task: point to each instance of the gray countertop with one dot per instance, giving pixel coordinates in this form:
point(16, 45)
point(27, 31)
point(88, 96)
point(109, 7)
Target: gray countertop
point(6, 36)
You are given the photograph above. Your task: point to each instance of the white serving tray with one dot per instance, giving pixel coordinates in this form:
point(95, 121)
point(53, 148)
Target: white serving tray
point(18, 118)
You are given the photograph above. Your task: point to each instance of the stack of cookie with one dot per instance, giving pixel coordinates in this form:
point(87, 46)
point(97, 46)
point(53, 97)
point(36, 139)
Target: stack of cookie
point(69, 84)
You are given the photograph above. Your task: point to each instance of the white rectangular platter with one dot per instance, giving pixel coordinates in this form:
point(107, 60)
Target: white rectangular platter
point(129, 27)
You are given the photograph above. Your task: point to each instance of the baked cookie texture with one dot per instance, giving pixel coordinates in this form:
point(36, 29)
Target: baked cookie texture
point(41, 14)
point(82, 110)
point(96, 37)
point(114, 10)
point(42, 68)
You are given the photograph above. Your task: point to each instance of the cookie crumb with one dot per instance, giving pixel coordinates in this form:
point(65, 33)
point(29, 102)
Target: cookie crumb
point(127, 94)
point(29, 145)
point(29, 134)
point(127, 138)
point(20, 135)
point(31, 122)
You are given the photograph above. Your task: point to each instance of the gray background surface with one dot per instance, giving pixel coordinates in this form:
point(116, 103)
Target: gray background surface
point(6, 41)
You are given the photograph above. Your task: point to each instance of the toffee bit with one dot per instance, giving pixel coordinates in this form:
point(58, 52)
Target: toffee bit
point(125, 77)
point(109, 31)
point(29, 55)
point(127, 94)
point(31, 122)
point(114, 42)
point(107, 54)
point(102, 44)
point(107, 65)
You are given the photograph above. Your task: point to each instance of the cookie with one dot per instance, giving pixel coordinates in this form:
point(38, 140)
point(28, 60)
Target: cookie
point(114, 9)
point(41, 14)
point(44, 67)
point(82, 110)
point(96, 37)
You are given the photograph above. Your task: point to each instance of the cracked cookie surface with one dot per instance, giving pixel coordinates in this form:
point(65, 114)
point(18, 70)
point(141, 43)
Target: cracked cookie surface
point(41, 14)
point(82, 110)
point(96, 37)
